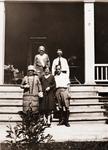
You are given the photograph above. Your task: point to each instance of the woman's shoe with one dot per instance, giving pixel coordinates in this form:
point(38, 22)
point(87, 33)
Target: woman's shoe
point(48, 125)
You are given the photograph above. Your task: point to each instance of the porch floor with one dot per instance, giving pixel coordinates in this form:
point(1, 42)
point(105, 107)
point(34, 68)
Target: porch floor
point(77, 132)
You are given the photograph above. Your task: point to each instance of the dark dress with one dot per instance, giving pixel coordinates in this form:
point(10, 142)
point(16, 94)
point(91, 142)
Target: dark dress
point(47, 103)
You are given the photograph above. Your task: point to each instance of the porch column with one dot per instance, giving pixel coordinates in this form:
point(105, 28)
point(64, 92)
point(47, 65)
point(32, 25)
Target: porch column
point(2, 40)
point(89, 42)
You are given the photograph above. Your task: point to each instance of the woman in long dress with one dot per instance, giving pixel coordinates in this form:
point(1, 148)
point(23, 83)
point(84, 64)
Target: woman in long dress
point(47, 104)
point(32, 90)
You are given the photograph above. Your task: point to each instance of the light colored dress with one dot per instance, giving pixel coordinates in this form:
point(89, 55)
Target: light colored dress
point(32, 87)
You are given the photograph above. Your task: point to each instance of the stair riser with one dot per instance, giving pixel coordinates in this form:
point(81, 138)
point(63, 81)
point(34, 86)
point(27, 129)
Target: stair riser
point(76, 93)
point(11, 95)
point(10, 117)
point(82, 122)
point(89, 115)
point(84, 101)
point(85, 107)
point(11, 102)
point(10, 109)
point(82, 88)
point(8, 88)
point(2, 124)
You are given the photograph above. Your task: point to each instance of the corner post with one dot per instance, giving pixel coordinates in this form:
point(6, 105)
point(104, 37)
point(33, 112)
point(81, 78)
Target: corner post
point(89, 42)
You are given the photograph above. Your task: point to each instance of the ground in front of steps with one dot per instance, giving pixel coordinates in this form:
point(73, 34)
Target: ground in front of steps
point(76, 132)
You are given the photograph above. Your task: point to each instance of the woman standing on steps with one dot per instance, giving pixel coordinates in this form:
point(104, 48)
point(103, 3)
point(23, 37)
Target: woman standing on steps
point(47, 104)
point(32, 90)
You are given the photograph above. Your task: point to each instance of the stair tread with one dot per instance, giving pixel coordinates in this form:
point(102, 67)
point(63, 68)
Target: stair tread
point(84, 118)
point(87, 111)
point(85, 97)
point(84, 104)
point(11, 105)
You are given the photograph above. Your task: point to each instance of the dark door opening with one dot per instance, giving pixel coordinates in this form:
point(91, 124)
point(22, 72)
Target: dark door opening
point(61, 23)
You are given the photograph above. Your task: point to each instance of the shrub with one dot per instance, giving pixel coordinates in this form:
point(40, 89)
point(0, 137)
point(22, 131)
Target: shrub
point(27, 134)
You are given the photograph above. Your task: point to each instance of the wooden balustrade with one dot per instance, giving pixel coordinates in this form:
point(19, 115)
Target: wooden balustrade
point(101, 72)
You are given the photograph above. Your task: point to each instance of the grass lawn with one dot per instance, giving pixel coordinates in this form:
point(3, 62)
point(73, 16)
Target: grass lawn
point(68, 146)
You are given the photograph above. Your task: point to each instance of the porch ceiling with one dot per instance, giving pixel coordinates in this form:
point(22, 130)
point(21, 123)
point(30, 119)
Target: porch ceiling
point(55, 1)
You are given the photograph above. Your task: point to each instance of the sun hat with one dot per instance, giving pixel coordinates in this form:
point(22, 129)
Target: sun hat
point(31, 67)
point(41, 48)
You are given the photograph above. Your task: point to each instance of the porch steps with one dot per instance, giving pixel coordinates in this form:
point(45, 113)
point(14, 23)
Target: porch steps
point(85, 105)
point(10, 103)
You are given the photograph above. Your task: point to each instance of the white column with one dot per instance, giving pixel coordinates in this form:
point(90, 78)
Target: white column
point(2, 40)
point(89, 42)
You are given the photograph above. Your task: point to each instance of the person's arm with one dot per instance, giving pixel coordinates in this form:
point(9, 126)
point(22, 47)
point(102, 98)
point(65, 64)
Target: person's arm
point(53, 67)
point(40, 94)
point(52, 84)
point(67, 68)
point(48, 61)
point(39, 85)
point(24, 83)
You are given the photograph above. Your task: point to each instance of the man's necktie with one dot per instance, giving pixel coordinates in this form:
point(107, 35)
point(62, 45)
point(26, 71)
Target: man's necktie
point(59, 62)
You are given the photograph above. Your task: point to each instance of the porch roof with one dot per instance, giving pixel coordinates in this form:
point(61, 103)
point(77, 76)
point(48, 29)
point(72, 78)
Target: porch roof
point(55, 1)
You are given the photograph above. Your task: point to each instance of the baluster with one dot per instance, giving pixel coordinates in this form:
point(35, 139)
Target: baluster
point(106, 72)
point(97, 72)
point(101, 73)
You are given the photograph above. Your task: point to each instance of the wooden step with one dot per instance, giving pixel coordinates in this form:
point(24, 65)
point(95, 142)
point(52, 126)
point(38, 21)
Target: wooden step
point(87, 101)
point(82, 88)
point(86, 110)
point(11, 102)
point(82, 122)
point(85, 97)
point(87, 115)
point(85, 93)
point(11, 95)
point(10, 118)
point(84, 119)
point(10, 88)
point(92, 107)
point(10, 109)
point(85, 104)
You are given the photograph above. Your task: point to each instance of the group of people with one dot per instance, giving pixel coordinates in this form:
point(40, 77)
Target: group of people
point(45, 90)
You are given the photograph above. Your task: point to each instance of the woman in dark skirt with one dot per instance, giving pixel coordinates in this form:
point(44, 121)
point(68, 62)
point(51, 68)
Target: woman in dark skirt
point(47, 104)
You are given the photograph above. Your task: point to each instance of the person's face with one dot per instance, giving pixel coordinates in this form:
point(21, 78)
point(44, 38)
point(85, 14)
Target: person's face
point(41, 52)
point(59, 53)
point(47, 71)
point(30, 72)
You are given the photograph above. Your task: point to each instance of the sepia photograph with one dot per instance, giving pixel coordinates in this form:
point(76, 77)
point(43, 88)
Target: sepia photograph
point(53, 74)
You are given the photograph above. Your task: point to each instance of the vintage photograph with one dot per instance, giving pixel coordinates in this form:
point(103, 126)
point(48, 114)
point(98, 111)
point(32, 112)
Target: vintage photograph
point(53, 74)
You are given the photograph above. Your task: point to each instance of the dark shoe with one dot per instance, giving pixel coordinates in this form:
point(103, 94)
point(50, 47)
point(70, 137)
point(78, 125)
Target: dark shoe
point(48, 125)
point(67, 124)
point(61, 123)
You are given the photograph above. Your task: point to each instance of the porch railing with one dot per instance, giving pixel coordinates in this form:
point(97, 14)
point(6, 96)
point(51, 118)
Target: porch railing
point(101, 72)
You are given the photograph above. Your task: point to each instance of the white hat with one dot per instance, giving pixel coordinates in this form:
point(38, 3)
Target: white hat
point(31, 67)
point(41, 48)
